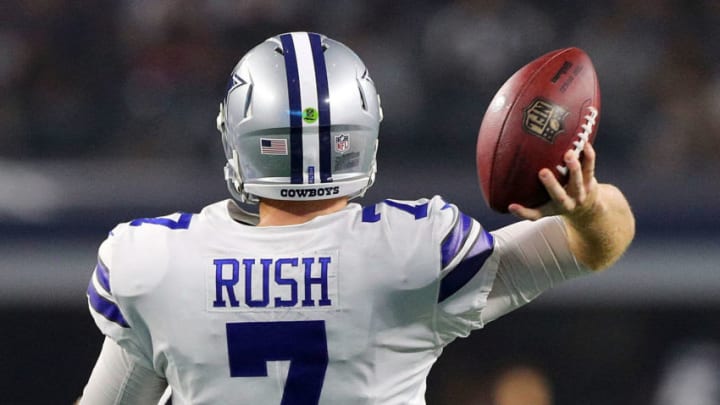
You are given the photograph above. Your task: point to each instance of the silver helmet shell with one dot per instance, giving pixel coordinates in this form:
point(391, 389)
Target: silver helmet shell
point(300, 121)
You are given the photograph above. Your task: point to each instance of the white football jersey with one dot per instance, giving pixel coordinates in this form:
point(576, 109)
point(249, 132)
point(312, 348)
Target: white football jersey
point(349, 308)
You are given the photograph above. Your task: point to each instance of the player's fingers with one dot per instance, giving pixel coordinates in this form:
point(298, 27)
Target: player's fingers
point(588, 164)
point(576, 186)
point(523, 212)
point(556, 191)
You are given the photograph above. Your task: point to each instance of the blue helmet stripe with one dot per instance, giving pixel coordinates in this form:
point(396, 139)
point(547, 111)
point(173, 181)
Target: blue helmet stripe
point(295, 109)
point(323, 96)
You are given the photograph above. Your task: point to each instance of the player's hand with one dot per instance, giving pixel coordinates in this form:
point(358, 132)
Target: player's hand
point(576, 199)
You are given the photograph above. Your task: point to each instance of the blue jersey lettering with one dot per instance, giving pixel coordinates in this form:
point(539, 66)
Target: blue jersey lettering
point(267, 283)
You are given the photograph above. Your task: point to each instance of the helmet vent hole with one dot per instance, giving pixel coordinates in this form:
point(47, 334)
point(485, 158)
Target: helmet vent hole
point(279, 50)
point(248, 99)
point(363, 101)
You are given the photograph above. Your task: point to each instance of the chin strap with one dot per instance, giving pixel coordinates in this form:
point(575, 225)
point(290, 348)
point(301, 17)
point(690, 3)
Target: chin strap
point(371, 174)
point(234, 182)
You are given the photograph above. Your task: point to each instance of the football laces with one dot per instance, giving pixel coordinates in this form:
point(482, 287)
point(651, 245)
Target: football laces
point(583, 136)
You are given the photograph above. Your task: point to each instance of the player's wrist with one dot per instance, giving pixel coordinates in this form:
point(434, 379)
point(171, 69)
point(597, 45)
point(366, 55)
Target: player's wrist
point(599, 236)
point(585, 216)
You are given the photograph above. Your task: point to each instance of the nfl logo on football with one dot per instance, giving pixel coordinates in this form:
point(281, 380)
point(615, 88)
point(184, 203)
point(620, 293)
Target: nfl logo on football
point(341, 143)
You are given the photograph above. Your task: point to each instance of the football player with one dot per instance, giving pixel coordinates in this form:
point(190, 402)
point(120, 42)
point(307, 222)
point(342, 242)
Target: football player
point(317, 300)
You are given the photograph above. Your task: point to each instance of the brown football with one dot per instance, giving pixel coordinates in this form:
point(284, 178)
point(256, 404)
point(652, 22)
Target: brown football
point(549, 106)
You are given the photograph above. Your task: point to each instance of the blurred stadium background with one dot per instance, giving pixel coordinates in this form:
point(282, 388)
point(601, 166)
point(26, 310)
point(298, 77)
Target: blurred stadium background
point(107, 113)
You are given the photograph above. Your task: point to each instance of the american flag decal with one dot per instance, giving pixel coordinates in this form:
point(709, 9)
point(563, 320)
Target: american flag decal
point(273, 146)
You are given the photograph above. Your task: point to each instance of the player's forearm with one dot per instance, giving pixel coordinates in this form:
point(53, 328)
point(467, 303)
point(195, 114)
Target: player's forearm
point(600, 236)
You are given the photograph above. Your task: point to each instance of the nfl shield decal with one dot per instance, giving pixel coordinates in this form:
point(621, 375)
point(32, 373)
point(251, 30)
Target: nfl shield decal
point(341, 143)
point(544, 119)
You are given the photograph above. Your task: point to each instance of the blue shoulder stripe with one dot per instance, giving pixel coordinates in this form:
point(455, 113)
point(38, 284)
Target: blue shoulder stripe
point(455, 240)
point(106, 308)
point(103, 275)
point(458, 277)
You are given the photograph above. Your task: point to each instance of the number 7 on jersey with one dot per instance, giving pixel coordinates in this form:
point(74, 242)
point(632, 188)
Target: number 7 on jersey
point(304, 343)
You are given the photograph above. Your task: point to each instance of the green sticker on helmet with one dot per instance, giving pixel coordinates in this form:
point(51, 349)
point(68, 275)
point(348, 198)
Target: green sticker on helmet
point(310, 115)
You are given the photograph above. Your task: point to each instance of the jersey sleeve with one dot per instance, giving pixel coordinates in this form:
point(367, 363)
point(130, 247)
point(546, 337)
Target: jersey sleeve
point(468, 266)
point(486, 275)
point(117, 378)
point(105, 304)
point(534, 257)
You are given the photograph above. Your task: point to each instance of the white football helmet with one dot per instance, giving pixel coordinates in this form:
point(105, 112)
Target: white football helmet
point(299, 121)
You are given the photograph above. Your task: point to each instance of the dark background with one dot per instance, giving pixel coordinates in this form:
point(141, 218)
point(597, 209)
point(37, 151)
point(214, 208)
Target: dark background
point(107, 113)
